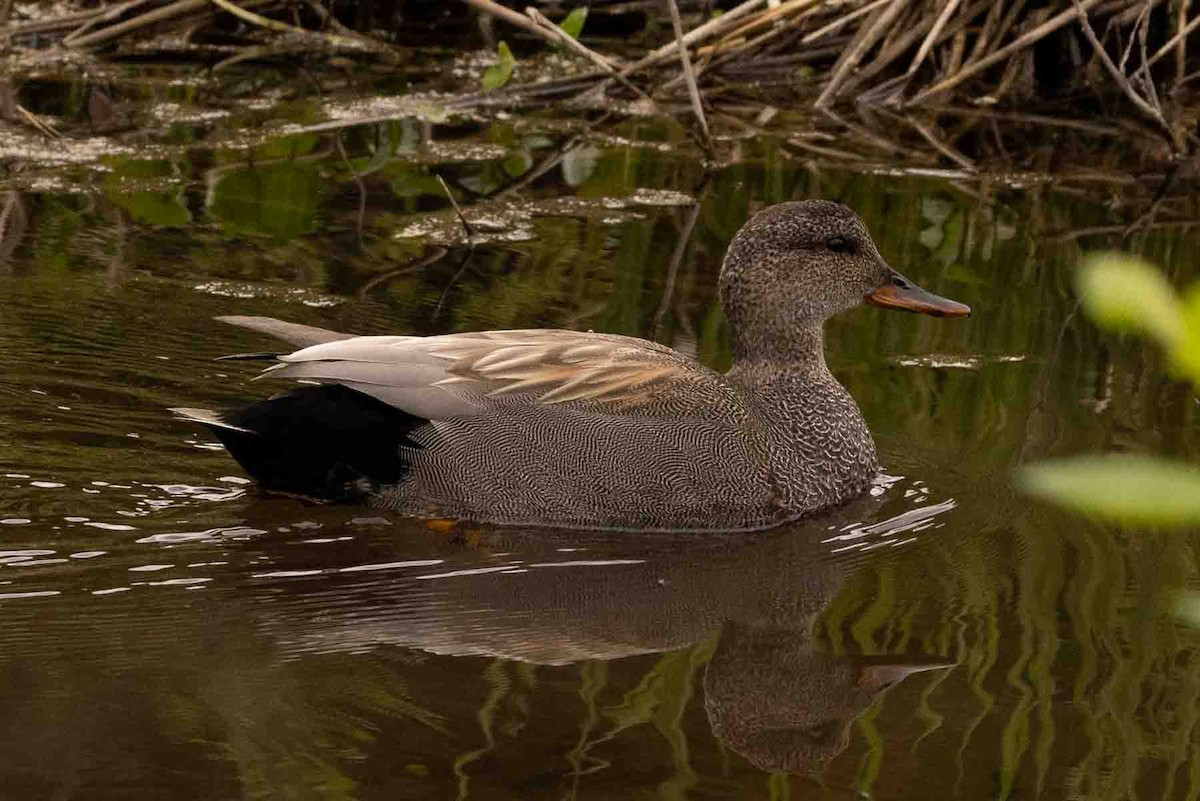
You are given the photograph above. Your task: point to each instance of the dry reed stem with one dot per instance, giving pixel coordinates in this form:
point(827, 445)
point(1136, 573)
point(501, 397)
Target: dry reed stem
point(513, 18)
point(162, 13)
point(256, 19)
point(462, 218)
point(992, 21)
point(565, 39)
point(840, 21)
point(1010, 19)
point(697, 34)
point(1142, 104)
point(900, 47)
point(49, 25)
point(946, 150)
point(1179, 40)
point(1181, 19)
point(930, 38)
point(336, 41)
point(681, 246)
point(849, 60)
point(769, 16)
point(44, 127)
point(686, 61)
point(107, 15)
point(1020, 43)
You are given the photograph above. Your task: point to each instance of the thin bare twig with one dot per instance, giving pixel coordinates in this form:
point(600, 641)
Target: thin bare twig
point(333, 39)
point(685, 237)
point(940, 146)
point(358, 180)
point(513, 18)
point(840, 21)
point(1179, 39)
point(927, 45)
point(44, 127)
point(1181, 15)
point(433, 254)
point(698, 34)
point(686, 61)
point(1020, 43)
point(565, 39)
point(1121, 78)
point(850, 58)
point(115, 12)
point(174, 10)
point(462, 218)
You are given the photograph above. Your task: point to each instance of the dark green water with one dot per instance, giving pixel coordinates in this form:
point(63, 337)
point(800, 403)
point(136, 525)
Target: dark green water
point(164, 632)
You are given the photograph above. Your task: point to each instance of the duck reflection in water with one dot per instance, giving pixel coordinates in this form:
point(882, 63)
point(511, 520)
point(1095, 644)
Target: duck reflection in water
point(783, 705)
point(771, 693)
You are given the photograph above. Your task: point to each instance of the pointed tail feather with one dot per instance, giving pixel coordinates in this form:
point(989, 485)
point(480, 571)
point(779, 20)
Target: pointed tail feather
point(206, 417)
point(302, 336)
point(266, 355)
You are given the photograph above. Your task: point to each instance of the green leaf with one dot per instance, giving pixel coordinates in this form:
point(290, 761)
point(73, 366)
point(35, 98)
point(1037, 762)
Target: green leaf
point(1127, 294)
point(573, 24)
point(1124, 489)
point(498, 74)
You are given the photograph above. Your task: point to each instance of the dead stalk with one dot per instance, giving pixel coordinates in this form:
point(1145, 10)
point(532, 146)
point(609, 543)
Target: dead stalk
point(1179, 40)
point(850, 59)
point(462, 218)
point(174, 10)
point(1142, 104)
point(840, 21)
point(1020, 43)
point(685, 61)
point(931, 38)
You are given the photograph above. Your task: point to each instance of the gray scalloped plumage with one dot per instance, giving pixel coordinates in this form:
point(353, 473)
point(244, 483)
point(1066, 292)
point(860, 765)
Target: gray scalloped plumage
point(567, 428)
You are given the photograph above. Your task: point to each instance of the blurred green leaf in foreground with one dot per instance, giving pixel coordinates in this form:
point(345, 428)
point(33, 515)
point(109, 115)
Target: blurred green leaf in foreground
point(1124, 293)
point(1124, 488)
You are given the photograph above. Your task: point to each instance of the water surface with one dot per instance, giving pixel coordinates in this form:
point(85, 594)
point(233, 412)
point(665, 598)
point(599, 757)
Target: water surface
point(168, 632)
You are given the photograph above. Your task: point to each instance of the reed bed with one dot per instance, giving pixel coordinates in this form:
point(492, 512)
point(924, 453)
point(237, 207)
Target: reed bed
point(879, 52)
point(1132, 62)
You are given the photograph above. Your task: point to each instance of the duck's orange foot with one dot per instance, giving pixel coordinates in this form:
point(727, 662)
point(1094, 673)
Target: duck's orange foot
point(441, 524)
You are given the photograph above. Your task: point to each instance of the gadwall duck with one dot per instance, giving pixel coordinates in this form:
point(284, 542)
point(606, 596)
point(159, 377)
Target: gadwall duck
point(586, 430)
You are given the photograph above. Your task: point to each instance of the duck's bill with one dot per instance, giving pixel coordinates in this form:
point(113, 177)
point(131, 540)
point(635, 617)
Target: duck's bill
point(903, 294)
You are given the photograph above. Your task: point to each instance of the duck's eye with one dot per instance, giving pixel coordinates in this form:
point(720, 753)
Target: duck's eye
point(840, 244)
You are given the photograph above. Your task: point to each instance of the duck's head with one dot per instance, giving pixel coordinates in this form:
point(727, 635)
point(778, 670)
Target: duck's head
point(794, 265)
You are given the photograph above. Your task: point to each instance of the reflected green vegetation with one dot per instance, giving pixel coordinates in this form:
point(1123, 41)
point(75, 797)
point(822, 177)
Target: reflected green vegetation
point(278, 676)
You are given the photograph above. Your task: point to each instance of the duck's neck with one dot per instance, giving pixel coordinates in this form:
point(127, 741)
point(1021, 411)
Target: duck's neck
point(793, 351)
point(820, 445)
